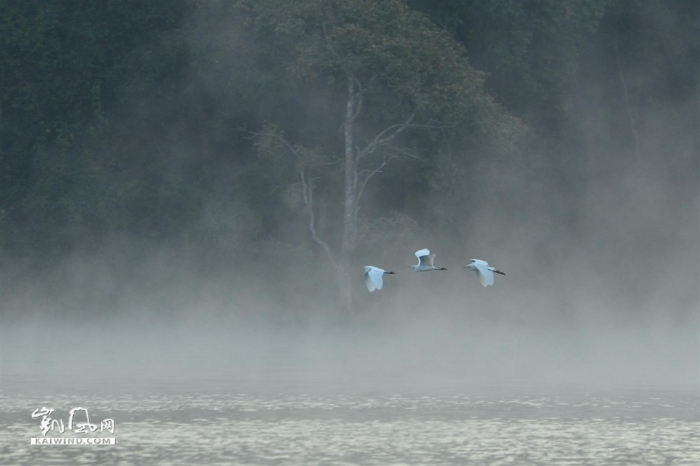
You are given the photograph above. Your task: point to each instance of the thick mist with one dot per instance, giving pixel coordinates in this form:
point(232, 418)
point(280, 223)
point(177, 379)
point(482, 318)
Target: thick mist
point(599, 237)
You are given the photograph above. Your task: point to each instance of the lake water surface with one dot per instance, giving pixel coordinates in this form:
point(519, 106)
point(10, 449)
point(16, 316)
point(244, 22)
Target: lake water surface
point(637, 427)
point(282, 406)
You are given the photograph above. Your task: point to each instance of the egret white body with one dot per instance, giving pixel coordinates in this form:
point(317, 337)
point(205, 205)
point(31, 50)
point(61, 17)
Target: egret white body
point(374, 277)
point(426, 262)
point(483, 271)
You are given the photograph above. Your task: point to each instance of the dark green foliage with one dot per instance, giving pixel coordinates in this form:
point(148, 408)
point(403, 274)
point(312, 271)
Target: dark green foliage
point(530, 48)
point(141, 120)
point(65, 68)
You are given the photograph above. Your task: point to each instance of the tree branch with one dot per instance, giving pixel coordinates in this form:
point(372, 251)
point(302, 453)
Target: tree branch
point(368, 174)
point(405, 152)
point(308, 194)
point(386, 136)
point(278, 138)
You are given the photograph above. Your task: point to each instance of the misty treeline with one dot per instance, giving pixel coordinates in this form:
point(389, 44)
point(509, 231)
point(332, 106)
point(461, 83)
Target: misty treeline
point(269, 148)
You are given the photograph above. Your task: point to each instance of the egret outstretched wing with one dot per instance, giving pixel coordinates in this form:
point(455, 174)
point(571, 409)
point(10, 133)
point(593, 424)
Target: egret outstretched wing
point(422, 255)
point(485, 277)
point(373, 278)
point(369, 283)
point(483, 271)
point(426, 261)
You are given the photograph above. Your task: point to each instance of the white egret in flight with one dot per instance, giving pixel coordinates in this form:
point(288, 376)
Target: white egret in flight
point(483, 271)
point(373, 277)
point(425, 261)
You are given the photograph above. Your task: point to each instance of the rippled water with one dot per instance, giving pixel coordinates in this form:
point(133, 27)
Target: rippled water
point(638, 427)
point(276, 402)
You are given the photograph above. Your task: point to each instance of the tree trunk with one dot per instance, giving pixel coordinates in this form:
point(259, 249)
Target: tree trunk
point(350, 212)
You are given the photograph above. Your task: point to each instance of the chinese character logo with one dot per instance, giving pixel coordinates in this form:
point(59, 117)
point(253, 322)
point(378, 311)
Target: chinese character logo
point(48, 424)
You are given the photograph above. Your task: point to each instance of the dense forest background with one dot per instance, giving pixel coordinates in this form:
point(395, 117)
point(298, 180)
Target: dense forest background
point(160, 156)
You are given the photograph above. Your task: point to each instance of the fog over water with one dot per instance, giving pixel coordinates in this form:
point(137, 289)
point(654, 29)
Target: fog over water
point(598, 232)
point(616, 303)
point(593, 333)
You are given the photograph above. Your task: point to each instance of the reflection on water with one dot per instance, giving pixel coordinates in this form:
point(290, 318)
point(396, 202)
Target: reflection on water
point(205, 428)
